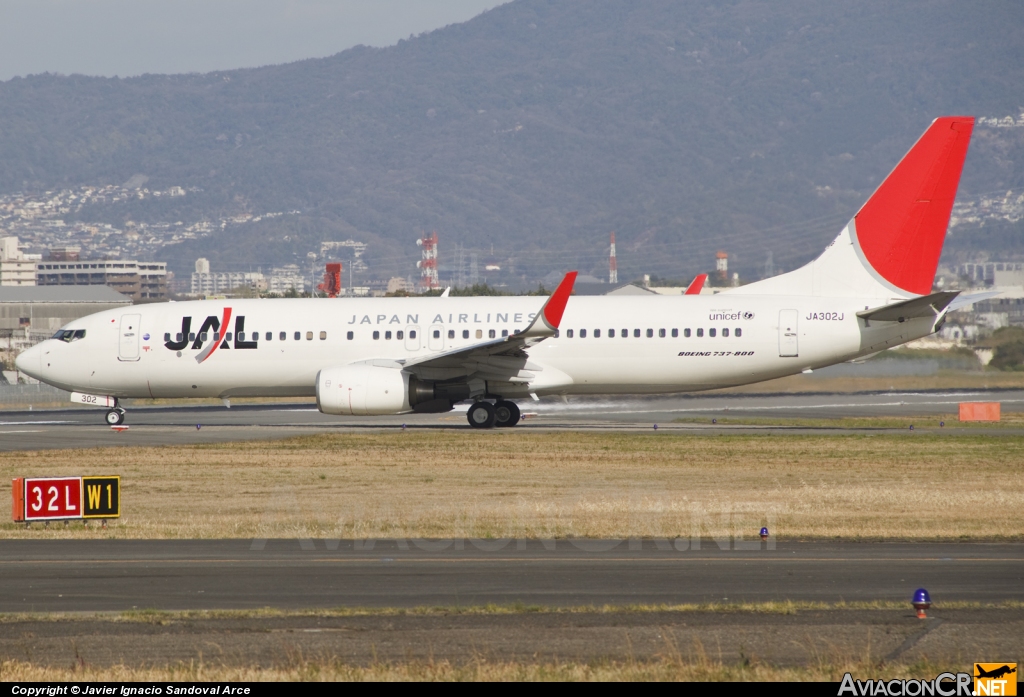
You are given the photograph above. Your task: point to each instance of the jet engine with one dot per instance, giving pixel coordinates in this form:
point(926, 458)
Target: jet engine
point(364, 389)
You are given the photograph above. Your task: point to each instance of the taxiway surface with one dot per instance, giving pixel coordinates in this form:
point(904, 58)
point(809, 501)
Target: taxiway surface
point(119, 575)
point(177, 425)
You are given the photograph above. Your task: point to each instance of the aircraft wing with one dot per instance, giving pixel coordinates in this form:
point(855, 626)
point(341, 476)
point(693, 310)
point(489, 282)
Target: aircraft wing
point(925, 306)
point(971, 298)
point(505, 359)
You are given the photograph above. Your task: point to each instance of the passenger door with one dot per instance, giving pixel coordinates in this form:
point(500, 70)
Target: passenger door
point(788, 339)
point(412, 338)
point(128, 344)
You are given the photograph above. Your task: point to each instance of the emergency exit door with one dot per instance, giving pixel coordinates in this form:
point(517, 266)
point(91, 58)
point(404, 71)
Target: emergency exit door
point(788, 338)
point(128, 345)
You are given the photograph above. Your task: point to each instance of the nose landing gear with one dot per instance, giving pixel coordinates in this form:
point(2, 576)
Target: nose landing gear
point(502, 414)
point(115, 417)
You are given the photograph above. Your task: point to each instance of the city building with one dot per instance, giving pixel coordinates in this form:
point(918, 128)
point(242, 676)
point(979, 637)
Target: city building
point(30, 314)
point(16, 267)
point(285, 279)
point(207, 282)
point(139, 280)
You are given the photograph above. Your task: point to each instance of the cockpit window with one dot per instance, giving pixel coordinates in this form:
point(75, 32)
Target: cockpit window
point(69, 335)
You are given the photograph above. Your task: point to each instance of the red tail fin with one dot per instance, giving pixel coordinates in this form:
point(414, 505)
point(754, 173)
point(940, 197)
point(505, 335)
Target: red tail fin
point(696, 284)
point(900, 230)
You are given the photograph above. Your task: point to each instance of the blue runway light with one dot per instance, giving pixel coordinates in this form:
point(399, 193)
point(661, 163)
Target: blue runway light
point(764, 534)
point(655, 427)
point(198, 426)
point(922, 601)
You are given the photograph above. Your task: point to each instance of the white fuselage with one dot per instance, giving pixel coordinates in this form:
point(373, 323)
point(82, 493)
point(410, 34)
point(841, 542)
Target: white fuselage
point(755, 338)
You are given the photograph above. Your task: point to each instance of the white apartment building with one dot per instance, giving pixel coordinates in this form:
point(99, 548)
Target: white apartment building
point(16, 267)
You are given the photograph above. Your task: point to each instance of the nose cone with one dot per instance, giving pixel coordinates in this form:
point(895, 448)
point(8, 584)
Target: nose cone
point(30, 361)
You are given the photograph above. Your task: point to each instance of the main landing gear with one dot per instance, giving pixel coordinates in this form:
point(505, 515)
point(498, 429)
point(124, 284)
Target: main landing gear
point(486, 415)
point(115, 417)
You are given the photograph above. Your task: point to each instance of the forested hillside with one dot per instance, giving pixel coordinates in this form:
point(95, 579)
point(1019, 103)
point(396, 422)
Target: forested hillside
point(540, 126)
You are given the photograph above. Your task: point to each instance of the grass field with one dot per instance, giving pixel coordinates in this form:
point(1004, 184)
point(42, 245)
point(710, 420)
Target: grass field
point(690, 665)
point(878, 485)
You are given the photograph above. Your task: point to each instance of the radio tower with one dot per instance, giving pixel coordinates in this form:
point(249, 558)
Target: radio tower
point(613, 266)
point(428, 264)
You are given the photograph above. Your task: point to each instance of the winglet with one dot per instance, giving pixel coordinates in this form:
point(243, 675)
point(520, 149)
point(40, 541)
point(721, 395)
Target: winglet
point(697, 285)
point(550, 316)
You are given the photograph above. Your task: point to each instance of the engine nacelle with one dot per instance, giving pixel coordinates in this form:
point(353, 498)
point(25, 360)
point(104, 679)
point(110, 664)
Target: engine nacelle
point(362, 390)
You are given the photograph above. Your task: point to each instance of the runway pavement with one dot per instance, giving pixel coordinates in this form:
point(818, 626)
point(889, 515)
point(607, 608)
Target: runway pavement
point(175, 425)
point(118, 575)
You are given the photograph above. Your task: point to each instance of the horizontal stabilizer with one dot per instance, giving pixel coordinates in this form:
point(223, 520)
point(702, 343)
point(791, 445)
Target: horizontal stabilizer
point(971, 298)
point(925, 306)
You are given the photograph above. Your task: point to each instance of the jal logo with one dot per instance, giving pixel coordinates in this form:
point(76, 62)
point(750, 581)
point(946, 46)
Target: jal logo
point(210, 331)
point(995, 679)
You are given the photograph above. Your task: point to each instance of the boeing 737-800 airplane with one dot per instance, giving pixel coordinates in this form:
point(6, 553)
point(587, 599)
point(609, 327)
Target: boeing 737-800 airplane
point(871, 289)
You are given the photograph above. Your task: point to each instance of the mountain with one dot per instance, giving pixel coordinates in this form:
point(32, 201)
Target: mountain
point(538, 127)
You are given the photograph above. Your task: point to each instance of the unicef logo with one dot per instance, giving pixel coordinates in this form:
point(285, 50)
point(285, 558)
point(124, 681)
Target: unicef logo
point(748, 315)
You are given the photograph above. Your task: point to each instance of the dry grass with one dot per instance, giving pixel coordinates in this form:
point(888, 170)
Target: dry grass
point(772, 607)
point(691, 664)
point(540, 485)
point(932, 422)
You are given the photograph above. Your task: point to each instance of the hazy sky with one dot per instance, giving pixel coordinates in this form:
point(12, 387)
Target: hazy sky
point(131, 37)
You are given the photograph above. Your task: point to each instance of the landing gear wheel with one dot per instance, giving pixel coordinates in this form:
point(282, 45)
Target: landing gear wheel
point(115, 417)
point(481, 415)
point(506, 414)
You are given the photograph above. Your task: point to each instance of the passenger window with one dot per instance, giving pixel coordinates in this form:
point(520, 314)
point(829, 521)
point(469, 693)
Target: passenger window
point(711, 332)
point(216, 336)
point(399, 335)
point(650, 333)
point(269, 336)
point(479, 333)
point(465, 333)
point(611, 333)
point(202, 336)
point(739, 332)
point(298, 336)
point(675, 333)
point(491, 333)
point(597, 333)
point(568, 333)
point(557, 334)
point(725, 332)
point(412, 334)
point(282, 336)
point(451, 333)
point(309, 336)
point(167, 336)
point(437, 333)
point(661, 333)
point(387, 336)
point(178, 336)
point(191, 336)
point(227, 337)
point(686, 332)
point(636, 333)
point(350, 336)
point(323, 336)
point(583, 333)
point(376, 336)
point(504, 332)
point(700, 332)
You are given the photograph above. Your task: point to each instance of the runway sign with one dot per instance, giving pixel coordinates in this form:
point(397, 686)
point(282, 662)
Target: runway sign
point(53, 498)
point(65, 498)
point(979, 411)
point(102, 497)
